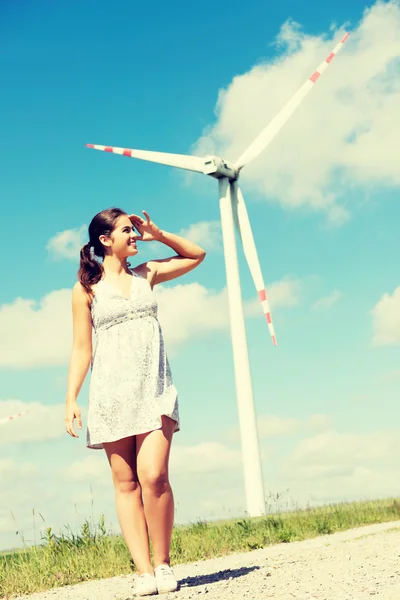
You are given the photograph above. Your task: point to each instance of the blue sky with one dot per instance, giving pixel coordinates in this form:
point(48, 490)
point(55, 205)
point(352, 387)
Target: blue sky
point(322, 201)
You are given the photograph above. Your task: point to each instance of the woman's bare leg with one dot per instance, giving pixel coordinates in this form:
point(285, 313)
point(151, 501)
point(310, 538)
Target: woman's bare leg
point(128, 498)
point(152, 455)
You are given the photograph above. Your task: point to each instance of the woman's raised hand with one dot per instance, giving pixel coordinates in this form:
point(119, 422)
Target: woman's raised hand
point(147, 229)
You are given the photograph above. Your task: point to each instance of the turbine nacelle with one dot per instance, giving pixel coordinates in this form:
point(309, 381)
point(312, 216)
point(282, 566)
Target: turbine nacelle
point(217, 167)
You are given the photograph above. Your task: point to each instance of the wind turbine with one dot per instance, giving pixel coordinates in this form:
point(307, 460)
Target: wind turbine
point(233, 210)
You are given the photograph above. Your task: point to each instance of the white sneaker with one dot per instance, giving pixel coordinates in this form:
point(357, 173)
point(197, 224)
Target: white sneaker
point(166, 581)
point(146, 585)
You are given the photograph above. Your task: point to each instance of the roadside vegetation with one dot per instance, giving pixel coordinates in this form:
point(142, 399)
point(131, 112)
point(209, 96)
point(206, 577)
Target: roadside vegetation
point(93, 553)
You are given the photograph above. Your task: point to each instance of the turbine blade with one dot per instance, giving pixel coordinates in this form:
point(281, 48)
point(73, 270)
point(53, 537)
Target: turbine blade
point(270, 131)
point(182, 161)
point(242, 221)
point(12, 417)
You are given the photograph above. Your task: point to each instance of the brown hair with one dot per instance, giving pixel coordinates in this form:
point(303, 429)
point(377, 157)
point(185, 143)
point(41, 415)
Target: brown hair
point(90, 269)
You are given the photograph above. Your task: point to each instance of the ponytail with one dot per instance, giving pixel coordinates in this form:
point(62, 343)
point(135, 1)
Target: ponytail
point(90, 270)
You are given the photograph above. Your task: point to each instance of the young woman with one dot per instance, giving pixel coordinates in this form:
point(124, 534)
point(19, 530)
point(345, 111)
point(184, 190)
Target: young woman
point(133, 404)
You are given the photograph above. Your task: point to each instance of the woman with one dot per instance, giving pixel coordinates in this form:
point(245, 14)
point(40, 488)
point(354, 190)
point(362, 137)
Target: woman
point(133, 404)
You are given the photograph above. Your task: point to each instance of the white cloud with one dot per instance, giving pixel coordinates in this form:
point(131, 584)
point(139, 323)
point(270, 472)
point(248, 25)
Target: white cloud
point(335, 467)
point(41, 422)
point(327, 302)
point(17, 480)
point(68, 243)
point(270, 425)
point(204, 457)
point(42, 331)
point(10, 469)
point(206, 234)
point(92, 468)
point(344, 134)
point(386, 319)
point(333, 453)
point(191, 309)
point(28, 486)
point(392, 375)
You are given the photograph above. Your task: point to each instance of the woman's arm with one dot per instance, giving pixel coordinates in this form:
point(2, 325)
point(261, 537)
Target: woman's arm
point(189, 254)
point(182, 246)
point(81, 354)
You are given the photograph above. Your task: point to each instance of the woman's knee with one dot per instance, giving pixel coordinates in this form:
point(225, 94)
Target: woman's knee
point(124, 477)
point(155, 482)
point(126, 486)
point(122, 459)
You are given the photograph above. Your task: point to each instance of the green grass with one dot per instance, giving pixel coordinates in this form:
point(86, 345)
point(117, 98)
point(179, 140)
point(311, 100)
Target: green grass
point(71, 558)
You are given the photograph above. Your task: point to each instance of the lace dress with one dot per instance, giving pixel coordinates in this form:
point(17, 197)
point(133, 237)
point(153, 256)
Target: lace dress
point(131, 384)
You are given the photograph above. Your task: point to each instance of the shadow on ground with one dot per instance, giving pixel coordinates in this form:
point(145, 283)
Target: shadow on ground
point(214, 577)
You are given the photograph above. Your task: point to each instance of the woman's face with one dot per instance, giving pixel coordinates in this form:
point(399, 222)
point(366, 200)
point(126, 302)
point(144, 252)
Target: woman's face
point(123, 238)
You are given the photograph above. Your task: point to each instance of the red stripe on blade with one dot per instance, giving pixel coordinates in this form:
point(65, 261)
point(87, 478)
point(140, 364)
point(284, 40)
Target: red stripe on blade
point(315, 76)
point(345, 38)
point(274, 340)
point(108, 149)
point(90, 145)
point(330, 57)
point(127, 152)
point(262, 295)
point(269, 320)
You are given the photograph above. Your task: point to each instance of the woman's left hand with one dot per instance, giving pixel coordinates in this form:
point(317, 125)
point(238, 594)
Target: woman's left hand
point(147, 229)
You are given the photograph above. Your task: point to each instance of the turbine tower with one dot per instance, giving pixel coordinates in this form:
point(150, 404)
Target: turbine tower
point(233, 211)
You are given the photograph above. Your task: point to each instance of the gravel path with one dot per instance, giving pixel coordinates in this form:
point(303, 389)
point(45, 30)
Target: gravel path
point(348, 565)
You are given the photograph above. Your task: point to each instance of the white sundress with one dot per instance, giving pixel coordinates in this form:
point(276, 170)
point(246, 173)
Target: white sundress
point(131, 384)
